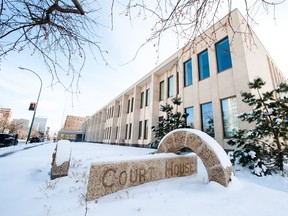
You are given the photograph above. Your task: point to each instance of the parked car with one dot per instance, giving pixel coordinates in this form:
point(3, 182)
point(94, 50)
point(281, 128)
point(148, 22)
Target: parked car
point(35, 140)
point(7, 140)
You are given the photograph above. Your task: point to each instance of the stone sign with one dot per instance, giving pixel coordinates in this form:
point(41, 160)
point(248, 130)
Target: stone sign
point(213, 156)
point(107, 178)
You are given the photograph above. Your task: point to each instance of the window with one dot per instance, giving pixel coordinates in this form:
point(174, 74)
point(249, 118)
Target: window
point(188, 73)
point(140, 130)
point(116, 133)
point(161, 91)
point(142, 100)
point(177, 83)
point(190, 117)
point(207, 119)
point(147, 97)
point(130, 130)
point(128, 108)
point(112, 111)
point(145, 129)
point(132, 104)
point(223, 55)
point(110, 130)
point(229, 116)
point(126, 131)
point(170, 86)
point(203, 64)
point(119, 108)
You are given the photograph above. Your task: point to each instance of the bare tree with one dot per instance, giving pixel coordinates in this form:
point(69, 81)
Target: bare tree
point(190, 18)
point(61, 30)
point(58, 30)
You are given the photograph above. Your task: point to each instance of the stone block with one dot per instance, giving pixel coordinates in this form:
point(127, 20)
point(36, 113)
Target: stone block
point(61, 159)
point(109, 177)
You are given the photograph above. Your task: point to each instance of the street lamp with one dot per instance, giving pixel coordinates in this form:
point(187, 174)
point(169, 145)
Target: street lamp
point(31, 126)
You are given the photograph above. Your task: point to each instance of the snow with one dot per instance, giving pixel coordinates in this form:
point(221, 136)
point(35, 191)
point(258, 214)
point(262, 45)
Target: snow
point(63, 152)
point(26, 188)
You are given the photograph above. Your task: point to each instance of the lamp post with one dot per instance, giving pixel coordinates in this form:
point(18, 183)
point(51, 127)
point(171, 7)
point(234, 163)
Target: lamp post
point(31, 126)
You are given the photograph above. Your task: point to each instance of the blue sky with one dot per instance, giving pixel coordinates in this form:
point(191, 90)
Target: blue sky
point(100, 83)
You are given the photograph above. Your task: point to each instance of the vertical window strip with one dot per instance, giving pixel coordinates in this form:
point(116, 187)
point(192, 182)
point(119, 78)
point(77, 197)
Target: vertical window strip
point(207, 119)
point(229, 116)
point(170, 86)
point(203, 65)
point(223, 55)
point(161, 91)
point(188, 79)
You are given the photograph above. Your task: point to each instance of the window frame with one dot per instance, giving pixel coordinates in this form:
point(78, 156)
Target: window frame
point(145, 129)
point(220, 67)
point(140, 130)
point(147, 98)
point(186, 83)
point(185, 110)
point(161, 91)
point(199, 57)
point(142, 100)
point(202, 120)
point(222, 116)
point(170, 86)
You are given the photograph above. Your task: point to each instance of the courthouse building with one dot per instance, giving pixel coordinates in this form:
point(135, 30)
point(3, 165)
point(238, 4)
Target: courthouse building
point(209, 76)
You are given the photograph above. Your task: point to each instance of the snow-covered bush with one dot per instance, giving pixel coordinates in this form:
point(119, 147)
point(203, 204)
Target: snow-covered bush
point(171, 121)
point(264, 148)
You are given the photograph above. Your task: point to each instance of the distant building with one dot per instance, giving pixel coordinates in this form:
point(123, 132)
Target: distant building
point(72, 128)
point(74, 123)
point(40, 124)
point(209, 76)
point(5, 116)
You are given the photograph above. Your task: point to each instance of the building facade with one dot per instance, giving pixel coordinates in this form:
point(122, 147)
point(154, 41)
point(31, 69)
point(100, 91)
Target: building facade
point(209, 76)
point(40, 124)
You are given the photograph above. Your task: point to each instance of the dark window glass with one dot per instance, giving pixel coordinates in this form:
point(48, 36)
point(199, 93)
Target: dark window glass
point(132, 104)
point(207, 119)
point(177, 83)
point(161, 91)
point(142, 100)
point(188, 73)
point(170, 86)
point(116, 133)
point(112, 111)
point(147, 97)
point(223, 55)
point(110, 129)
point(140, 130)
point(119, 108)
point(229, 116)
point(203, 63)
point(126, 131)
point(190, 117)
point(145, 129)
point(130, 130)
point(128, 108)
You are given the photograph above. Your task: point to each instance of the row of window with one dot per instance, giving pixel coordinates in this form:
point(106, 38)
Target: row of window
point(223, 58)
point(128, 130)
point(229, 117)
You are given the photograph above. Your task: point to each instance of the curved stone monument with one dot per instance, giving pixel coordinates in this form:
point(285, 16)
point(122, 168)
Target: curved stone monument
point(213, 156)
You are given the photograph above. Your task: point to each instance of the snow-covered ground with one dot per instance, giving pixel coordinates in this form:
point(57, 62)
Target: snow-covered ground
point(26, 188)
